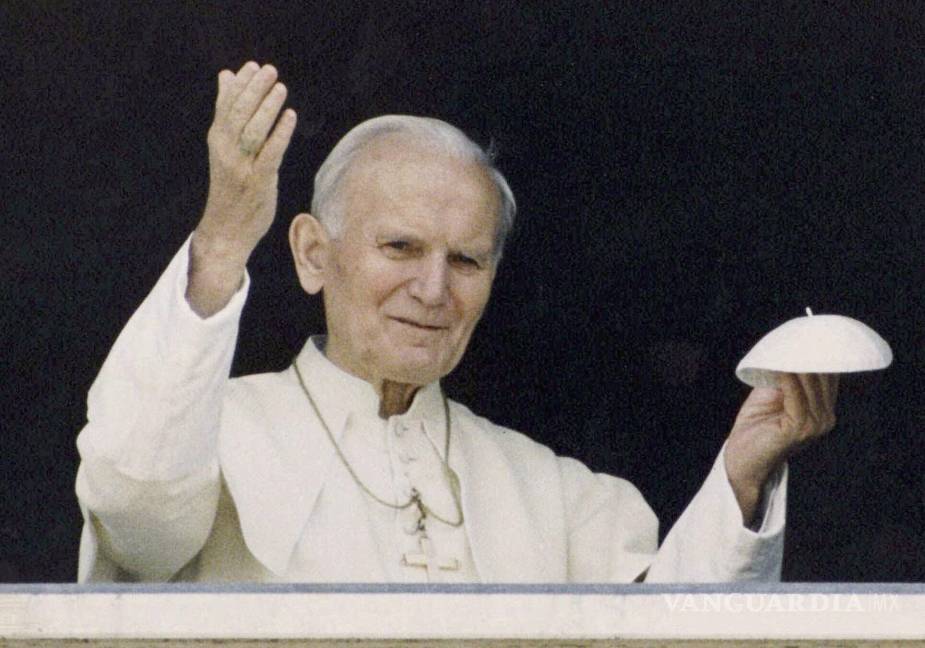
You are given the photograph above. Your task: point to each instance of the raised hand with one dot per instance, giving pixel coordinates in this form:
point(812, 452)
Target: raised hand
point(245, 152)
point(772, 425)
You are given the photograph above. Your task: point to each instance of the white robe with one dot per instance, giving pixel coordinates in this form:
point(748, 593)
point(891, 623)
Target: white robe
point(187, 475)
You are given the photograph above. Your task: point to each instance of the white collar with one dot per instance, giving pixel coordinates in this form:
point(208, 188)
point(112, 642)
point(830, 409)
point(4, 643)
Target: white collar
point(341, 396)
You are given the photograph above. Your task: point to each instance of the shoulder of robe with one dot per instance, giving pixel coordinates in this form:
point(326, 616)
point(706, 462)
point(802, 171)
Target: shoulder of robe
point(262, 398)
point(516, 446)
point(522, 450)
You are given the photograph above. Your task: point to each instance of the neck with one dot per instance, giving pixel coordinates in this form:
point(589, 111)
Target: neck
point(395, 398)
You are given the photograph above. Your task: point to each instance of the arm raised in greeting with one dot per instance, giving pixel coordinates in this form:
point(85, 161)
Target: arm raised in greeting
point(247, 141)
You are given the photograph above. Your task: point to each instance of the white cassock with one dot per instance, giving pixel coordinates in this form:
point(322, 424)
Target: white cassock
point(187, 475)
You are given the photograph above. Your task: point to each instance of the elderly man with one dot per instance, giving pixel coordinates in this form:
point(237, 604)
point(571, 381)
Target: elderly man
point(351, 465)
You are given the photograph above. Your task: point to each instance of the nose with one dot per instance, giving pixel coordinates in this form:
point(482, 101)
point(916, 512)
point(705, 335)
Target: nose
point(430, 285)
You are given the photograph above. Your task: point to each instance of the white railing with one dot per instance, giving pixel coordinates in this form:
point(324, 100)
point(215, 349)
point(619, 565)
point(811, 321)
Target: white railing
point(244, 611)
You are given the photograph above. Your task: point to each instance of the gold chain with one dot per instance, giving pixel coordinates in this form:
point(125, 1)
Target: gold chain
point(415, 498)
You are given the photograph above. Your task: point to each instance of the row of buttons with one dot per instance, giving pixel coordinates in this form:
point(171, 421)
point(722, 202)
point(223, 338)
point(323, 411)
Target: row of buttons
point(419, 465)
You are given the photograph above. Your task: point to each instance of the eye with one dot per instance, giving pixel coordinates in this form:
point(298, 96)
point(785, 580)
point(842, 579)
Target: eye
point(398, 248)
point(464, 262)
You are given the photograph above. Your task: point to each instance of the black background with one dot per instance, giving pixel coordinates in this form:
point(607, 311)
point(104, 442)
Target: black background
point(688, 177)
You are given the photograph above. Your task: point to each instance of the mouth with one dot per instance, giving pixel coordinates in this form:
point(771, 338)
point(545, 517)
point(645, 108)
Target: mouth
point(418, 325)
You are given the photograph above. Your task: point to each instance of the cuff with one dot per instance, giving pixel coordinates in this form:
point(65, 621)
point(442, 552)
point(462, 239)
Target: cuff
point(188, 334)
point(709, 542)
point(754, 552)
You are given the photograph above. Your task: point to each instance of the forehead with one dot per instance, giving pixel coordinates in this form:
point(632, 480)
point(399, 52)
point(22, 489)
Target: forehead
point(396, 177)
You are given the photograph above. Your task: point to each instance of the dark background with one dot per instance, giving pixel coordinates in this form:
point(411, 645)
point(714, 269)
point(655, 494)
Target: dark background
point(688, 178)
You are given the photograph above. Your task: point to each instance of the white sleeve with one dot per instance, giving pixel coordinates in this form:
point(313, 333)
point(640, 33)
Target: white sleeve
point(612, 532)
point(710, 543)
point(148, 483)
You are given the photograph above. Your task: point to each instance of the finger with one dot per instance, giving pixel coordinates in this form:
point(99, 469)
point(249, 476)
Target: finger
point(821, 418)
point(795, 404)
point(255, 132)
point(249, 69)
point(812, 387)
point(830, 392)
point(225, 77)
point(271, 155)
point(763, 400)
point(235, 85)
point(250, 98)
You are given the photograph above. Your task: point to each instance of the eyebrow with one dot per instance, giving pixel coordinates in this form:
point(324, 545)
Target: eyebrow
point(481, 254)
point(396, 233)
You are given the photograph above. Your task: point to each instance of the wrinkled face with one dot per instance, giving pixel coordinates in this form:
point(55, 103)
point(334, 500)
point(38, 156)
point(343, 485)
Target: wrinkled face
point(409, 275)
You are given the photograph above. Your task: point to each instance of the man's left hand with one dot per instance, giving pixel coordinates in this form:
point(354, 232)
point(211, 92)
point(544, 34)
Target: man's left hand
point(772, 425)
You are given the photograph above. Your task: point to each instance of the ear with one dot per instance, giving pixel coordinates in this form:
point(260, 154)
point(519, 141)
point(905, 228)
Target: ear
point(309, 242)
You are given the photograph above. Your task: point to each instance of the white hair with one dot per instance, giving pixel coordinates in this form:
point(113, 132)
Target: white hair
point(326, 203)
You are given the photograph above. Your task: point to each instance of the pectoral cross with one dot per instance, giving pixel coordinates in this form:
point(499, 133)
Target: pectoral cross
point(427, 558)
